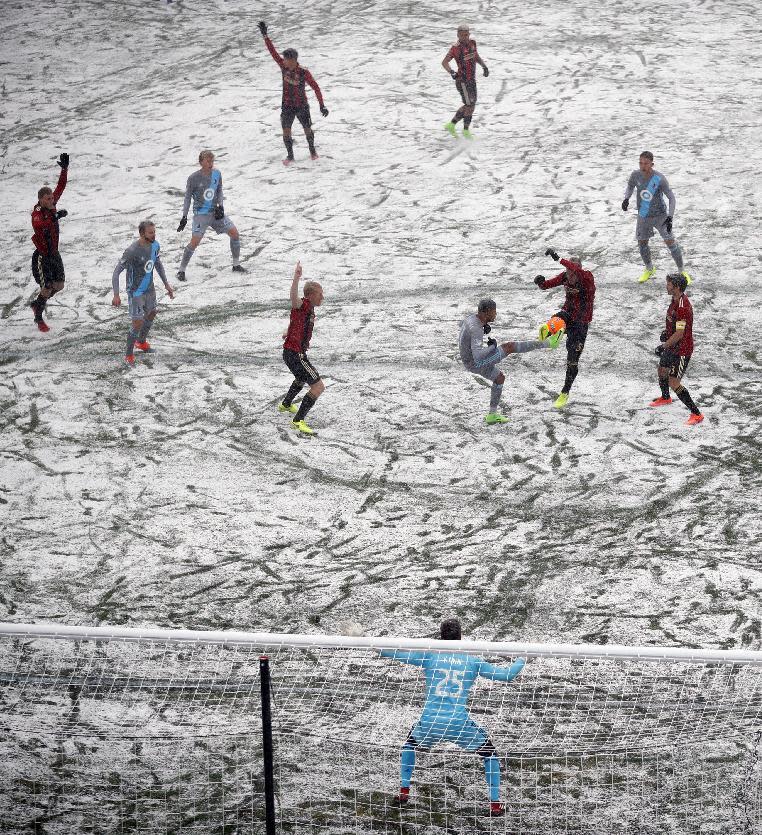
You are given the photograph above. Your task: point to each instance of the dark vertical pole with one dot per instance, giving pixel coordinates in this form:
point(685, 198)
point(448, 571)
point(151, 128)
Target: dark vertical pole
point(267, 745)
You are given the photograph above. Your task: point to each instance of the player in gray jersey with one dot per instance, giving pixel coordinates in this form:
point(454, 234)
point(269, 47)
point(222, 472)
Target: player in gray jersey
point(651, 187)
point(139, 260)
point(483, 361)
point(204, 187)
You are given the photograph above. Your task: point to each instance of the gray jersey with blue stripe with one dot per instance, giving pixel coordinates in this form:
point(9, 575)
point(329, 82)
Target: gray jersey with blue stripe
point(638, 182)
point(136, 259)
point(470, 341)
point(198, 189)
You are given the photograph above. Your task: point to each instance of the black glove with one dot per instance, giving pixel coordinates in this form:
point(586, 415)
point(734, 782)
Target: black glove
point(486, 72)
point(659, 350)
point(183, 223)
point(491, 342)
point(323, 110)
point(539, 280)
point(668, 224)
point(625, 204)
point(454, 75)
point(553, 254)
point(263, 28)
point(63, 161)
point(663, 337)
point(61, 213)
point(219, 212)
point(487, 328)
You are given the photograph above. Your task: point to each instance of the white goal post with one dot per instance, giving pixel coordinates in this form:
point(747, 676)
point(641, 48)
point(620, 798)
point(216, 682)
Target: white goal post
point(115, 729)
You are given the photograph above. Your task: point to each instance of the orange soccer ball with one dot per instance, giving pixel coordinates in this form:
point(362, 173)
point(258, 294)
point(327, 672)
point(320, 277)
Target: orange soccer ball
point(555, 324)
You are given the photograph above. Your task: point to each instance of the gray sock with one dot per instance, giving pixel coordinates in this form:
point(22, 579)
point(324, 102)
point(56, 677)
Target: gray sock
point(132, 335)
point(187, 255)
point(645, 254)
point(494, 396)
point(677, 255)
point(531, 345)
point(235, 249)
point(144, 330)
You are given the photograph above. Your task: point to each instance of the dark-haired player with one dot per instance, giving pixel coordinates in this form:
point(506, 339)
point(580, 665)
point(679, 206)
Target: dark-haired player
point(449, 679)
point(295, 348)
point(577, 313)
point(676, 348)
point(483, 361)
point(466, 57)
point(294, 104)
point(651, 188)
point(47, 266)
point(139, 260)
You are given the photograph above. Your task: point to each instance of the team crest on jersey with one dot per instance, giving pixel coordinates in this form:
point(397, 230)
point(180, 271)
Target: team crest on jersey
point(209, 194)
point(148, 266)
point(646, 195)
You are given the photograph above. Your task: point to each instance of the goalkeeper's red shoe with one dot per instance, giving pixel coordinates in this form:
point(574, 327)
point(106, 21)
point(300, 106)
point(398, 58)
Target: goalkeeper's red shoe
point(661, 401)
point(145, 347)
point(41, 326)
point(693, 420)
point(496, 809)
point(403, 797)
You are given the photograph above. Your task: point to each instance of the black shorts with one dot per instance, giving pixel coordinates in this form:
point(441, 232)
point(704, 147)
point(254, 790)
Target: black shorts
point(467, 90)
point(576, 334)
point(47, 269)
point(300, 367)
point(674, 363)
point(288, 114)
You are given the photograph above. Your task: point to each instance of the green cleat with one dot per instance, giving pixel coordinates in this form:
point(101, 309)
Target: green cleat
point(450, 128)
point(649, 272)
point(561, 400)
point(687, 277)
point(467, 134)
point(493, 418)
point(544, 331)
point(293, 408)
point(301, 426)
point(555, 339)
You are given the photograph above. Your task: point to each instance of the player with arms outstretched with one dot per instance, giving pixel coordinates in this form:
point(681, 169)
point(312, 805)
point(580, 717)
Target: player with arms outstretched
point(47, 266)
point(676, 348)
point(294, 104)
point(466, 57)
point(576, 313)
point(204, 187)
point(651, 188)
point(483, 361)
point(449, 679)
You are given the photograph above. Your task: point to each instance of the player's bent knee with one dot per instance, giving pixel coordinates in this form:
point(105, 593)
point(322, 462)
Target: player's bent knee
point(500, 379)
point(316, 389)
point(233, 232)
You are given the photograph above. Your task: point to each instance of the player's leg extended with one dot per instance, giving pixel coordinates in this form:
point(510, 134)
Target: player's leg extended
point(675, 383)
point(491, 769)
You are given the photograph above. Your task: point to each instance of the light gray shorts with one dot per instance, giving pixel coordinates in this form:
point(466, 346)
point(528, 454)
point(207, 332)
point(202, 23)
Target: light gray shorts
point(646, 225)
point(141, 306)
point(203, 222)
point(490, 371)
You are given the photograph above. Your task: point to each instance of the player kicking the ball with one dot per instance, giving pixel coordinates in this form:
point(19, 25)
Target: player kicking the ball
point(140, 259)
point(651, 188)
point(445, 718)
point(483, 361)
point(576, 314)
point(295, 348)
point(294, 105)
point(205, 188)
point(466, 57)
point(676, 348)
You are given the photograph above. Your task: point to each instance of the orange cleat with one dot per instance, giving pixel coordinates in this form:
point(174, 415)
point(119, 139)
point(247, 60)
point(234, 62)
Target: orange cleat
point(693, 420)
point(42, 327)
point(661, 401)
point(145, 347)
point(130, 360)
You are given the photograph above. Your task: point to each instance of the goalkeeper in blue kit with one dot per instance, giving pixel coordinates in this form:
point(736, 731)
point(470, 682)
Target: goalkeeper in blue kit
point(449, 678)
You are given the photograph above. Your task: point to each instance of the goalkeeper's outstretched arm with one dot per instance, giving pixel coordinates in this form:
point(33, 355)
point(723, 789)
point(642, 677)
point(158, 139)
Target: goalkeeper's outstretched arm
point(406, 656)
point(488, 670)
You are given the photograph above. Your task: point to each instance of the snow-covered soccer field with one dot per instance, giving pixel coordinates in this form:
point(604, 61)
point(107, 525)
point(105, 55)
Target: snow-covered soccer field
point(175, 494)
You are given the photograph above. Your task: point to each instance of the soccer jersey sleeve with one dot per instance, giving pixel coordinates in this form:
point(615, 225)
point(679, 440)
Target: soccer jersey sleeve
point(631, 183)
point(274, 52)
point(669, 194)
point(160, 269)
point(405, 656)
point(308, 78)
point(118, 270)
point(61, 185)
point(219, 196)
point(487, 670)
point(188, 195)
point(555, 281)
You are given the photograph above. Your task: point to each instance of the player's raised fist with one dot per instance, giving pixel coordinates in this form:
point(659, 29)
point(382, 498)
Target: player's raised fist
point(263, 28)
point(63, 161)
point(298, 270)
point(553, 254)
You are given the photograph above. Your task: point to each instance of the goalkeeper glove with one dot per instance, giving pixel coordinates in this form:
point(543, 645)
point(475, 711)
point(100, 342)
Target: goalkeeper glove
point(219, 212)
point(668, 224)
point(263, 28)
point(63, 161)
point(61, 213)
point(183, 223)
point(625, 204)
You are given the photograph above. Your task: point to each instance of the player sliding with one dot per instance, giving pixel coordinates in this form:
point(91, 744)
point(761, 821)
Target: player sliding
point(140, 259)
point(294, 104)
point(676, 348)
point(466, 57)
point(47, 266)
point(651, 188)
point(449, 678)
point(576, 314)
point(205, 188)
point(295, 348)
point(483, 361)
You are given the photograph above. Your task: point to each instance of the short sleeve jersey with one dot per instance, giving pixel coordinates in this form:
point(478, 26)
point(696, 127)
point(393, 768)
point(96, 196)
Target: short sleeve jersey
point(681, 311)
point(300, 327)
point(465, 57)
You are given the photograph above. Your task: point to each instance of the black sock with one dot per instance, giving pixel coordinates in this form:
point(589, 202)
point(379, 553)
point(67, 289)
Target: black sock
point(289, 143)
point(685, 398)
point(308, 401)
point(296, 387)
point(664, 384)
point(38, 306)
point(311, 142)
point(571, 376)
point(466, 122)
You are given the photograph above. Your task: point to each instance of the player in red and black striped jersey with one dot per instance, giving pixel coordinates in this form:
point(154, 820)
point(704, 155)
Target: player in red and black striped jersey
point(676, 348)
point(295, 345)
point(466, 57)
point(576, 312)
point(47, 266)
point(294, 104)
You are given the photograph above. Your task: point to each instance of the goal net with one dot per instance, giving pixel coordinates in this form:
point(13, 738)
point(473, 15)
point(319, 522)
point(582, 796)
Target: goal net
point(115, 730)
